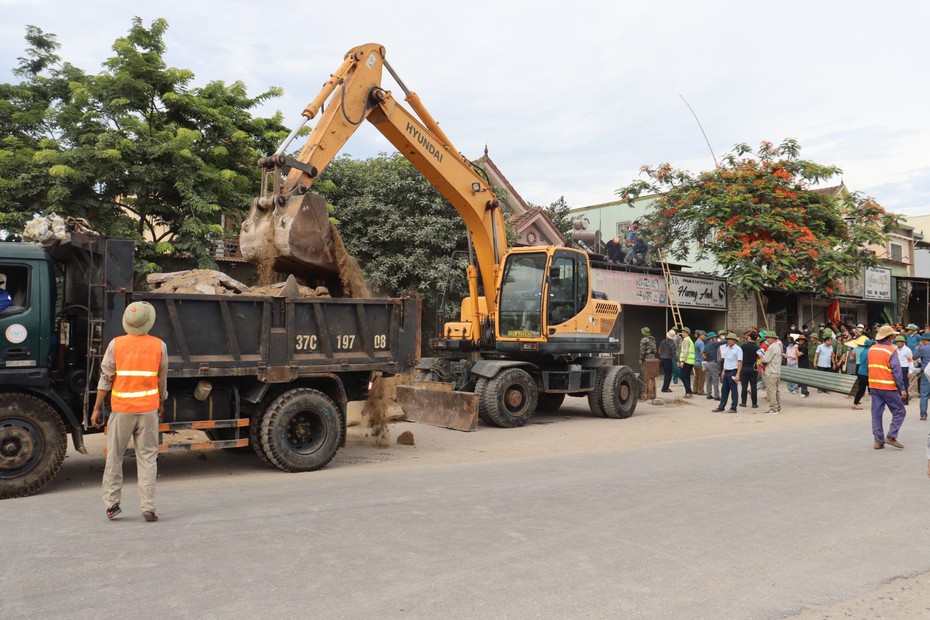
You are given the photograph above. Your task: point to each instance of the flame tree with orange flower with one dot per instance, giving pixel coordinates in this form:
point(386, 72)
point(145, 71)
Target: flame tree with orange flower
point(759, 217)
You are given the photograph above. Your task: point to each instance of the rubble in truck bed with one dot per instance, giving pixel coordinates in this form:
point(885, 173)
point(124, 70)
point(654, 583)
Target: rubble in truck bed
point(210, 282)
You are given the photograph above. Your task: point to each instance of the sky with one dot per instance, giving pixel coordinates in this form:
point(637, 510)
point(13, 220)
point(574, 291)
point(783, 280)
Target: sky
point(571, 99)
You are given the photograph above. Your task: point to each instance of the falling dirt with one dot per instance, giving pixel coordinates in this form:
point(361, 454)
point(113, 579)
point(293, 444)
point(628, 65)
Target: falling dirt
point(350, 274)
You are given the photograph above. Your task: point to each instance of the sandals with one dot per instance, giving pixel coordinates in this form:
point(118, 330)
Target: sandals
point(113, 511)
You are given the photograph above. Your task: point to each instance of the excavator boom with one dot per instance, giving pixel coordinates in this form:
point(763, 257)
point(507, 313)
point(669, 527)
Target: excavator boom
point(287, 219)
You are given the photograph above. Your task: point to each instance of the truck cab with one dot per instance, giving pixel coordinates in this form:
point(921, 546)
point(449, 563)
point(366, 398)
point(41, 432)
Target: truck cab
point(26, 327)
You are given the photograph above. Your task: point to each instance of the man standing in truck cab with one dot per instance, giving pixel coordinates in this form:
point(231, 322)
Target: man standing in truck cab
point(135, 369)
point(5, 300)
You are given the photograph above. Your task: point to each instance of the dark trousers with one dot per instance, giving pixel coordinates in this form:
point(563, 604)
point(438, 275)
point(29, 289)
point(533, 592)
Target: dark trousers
point(862, 383)
point(667, 374)
point(686, 376)
point(728, 386)
point(750, 379)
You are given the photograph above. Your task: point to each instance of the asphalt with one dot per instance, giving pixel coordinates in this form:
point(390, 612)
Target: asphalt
point(756, 525)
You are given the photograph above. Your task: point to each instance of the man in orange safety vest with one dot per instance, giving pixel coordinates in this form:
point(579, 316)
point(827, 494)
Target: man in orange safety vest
point(889, 387)
point(135, 369)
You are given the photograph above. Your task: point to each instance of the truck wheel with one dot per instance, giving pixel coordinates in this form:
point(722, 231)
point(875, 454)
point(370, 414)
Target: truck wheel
point(301, 430)
point(33, 442)
point(618, 394)
point(509, 399)
point(596, 396)
point(550, 402)
point(481, 386)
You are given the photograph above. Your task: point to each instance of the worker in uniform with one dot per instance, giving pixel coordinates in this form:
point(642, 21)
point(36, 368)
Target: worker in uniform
point(888, 387)
point(135, 369)
point(648, 364)
point(686, 359)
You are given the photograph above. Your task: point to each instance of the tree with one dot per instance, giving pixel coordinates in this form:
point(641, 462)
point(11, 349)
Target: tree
point(135, 149)
point(558, 213)
point(398, 226)
point(760, 218)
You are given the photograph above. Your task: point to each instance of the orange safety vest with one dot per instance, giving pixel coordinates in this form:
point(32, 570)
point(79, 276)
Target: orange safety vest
point(880, 375)
point(135, 387)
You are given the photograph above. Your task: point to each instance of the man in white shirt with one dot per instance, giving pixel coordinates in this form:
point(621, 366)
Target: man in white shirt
point(731, 359)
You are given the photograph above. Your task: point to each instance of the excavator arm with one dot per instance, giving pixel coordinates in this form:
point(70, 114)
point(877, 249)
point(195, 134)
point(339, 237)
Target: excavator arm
point(286, 218)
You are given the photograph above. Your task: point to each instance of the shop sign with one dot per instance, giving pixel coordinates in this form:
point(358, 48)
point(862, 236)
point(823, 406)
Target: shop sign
point(877, 283)
point(649, 290)
point(694, 292)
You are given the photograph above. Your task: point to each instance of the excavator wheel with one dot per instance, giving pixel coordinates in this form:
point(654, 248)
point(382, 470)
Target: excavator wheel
point(481, 386)
point(551, 402)
point(509, 399)
point(619, 392)
point(595, 396)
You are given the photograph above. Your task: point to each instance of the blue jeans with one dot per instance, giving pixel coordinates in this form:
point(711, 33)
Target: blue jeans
point(729, 385)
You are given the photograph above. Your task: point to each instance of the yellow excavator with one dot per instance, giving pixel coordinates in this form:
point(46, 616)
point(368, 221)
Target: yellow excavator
point(531, 329)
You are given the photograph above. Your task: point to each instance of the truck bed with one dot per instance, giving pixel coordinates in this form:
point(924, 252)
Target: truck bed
point(279, 339)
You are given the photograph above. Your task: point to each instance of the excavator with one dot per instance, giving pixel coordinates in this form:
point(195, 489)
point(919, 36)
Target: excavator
point(530, 331)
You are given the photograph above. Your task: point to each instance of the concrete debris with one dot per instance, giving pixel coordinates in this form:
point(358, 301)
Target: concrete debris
point(210, 282)
point(405, 439)
point(52, 230)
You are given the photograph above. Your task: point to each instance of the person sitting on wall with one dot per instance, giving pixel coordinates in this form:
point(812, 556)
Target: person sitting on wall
point(615, 250)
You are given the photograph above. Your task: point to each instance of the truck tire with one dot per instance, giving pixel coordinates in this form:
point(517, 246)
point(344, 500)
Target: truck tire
point(619, 392)
point(33, 442)
point(301, 430)
point(509, 399)
point(551, 402)
point(596, 395)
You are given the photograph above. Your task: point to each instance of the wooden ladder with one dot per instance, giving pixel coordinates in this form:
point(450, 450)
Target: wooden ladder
point(671, 294)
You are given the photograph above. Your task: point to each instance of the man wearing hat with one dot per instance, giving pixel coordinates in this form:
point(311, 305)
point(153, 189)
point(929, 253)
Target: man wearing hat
point(731, 356)
point(911, 337)
point(686, 360)
point(771, 370)
point(135, 368)
point(666, 358)
point(712, 366)
point(647, 345)
point(888, 388)
point(699, 343)
point(922, 360)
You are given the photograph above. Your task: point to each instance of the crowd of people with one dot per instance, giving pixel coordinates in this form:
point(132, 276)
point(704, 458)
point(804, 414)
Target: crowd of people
point(890, 362)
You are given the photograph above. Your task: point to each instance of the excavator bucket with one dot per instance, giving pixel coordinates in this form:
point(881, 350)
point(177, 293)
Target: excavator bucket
point(435, 403)
point(297, 236)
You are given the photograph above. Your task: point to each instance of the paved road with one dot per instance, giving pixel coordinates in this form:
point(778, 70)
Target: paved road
point(757, 525)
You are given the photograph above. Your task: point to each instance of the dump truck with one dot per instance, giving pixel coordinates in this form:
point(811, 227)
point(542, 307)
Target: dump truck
point(531, 329)
point(273, 373)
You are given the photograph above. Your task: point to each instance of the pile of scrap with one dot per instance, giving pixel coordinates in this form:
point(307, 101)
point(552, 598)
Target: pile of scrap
point(210, 282)
point(52, 230)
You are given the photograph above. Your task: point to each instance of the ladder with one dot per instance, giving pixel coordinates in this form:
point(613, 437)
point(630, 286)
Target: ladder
point(671, 294)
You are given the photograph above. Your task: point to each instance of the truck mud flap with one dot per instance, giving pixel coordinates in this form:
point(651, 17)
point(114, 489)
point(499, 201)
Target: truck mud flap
point(435, 403)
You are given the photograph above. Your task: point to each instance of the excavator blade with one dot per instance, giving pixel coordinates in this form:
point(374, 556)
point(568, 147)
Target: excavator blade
point(435, 403)
point(297, 236)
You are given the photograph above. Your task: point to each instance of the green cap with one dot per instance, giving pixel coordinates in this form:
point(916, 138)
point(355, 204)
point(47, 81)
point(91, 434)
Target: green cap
point(714, 335)
point(900, 338)
point(732, 336)
point(645, 331)
point(685, 329)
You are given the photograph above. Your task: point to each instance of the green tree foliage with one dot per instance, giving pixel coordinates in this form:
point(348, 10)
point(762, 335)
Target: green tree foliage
point(558, 213)
point(398, 226)
point(136, 149)
point(759, 218)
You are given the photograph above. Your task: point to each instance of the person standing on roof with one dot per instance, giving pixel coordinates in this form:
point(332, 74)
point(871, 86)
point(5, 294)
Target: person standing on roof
point(888, 388)
point(686, 360)
point(135, 368)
